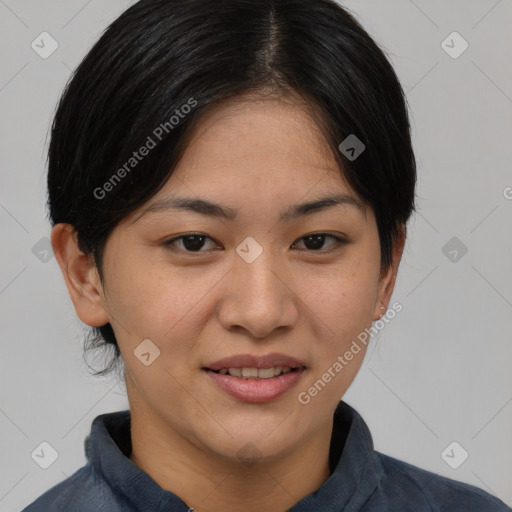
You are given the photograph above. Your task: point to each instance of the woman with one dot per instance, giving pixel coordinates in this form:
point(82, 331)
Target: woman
point(229, 187)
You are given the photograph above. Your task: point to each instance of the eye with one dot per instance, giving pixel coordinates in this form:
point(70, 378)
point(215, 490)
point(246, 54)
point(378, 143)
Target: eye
point(191, 242)
point(315, 241)
point(195, 242)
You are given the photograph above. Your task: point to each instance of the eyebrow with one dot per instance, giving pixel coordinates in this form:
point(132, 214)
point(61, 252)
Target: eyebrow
point(210, 209)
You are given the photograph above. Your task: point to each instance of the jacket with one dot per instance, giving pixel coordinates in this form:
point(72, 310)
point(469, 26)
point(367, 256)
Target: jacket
point(361, 479)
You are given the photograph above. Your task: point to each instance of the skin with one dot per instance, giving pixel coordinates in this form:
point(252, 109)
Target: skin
point(258, 157)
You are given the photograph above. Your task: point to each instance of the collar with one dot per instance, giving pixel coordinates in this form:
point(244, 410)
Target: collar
point(355, 468)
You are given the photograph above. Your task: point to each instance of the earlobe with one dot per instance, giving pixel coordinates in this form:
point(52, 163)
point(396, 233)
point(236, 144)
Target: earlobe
point(388, 278)
point(81, 276)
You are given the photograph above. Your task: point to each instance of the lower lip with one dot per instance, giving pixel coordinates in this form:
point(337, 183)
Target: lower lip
point(256, 390)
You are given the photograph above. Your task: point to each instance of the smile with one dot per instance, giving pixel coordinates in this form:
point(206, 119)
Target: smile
point(256, 373)
point(255, 385)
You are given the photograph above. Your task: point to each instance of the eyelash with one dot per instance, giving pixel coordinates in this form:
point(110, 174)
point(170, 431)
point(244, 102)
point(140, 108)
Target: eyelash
point(338, 242)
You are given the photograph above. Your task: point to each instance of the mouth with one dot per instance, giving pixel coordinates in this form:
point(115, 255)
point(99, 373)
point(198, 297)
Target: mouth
point(257, 373)
point(255, 380)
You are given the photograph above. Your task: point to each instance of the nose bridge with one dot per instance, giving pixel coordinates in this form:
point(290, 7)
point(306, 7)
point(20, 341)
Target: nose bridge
point(256, 269)
point(258, 300)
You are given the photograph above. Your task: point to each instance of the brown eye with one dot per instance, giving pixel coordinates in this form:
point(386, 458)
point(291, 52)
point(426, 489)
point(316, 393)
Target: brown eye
point(192, 242)
point(315, 241)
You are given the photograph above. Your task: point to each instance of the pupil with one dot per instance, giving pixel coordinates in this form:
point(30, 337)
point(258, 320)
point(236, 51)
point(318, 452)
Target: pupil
point(193, 242)
point(318, 241)
point(196, 242)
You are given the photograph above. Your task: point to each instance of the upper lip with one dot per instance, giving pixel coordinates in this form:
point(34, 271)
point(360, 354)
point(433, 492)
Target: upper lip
point(256, 361)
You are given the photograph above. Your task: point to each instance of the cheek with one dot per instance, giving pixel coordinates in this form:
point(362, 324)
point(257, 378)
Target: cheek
point(155, 301)
point(343, 298)
point(343, 303)
point(167, 307)
point(151, 299)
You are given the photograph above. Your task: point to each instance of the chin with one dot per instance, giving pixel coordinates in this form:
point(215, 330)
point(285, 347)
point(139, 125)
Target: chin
point(250, 442)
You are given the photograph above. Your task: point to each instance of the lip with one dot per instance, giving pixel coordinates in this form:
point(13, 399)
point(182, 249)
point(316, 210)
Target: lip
point(255, 390)
point(255, 361)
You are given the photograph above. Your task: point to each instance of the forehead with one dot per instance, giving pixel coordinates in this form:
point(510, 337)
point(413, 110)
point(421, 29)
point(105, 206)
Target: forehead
point(255, 160)
point(254, 142)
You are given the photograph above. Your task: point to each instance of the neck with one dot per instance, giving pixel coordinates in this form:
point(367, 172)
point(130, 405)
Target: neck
point(208, 482)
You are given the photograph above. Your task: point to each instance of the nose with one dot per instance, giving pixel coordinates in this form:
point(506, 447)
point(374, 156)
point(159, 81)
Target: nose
point(258, 298)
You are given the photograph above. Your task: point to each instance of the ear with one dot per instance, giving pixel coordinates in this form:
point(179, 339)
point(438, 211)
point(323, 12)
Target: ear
point(388, 277)
point(81, 276)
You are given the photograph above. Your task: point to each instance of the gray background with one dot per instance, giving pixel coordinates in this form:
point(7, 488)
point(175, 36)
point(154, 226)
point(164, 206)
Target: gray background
point(438, 373)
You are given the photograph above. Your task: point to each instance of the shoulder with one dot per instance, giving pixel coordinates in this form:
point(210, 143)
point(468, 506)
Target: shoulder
point(405, 484)
point(81, 492)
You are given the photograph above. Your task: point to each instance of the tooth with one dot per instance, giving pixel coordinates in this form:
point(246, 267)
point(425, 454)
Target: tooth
point(249, 372)
point(255, 373)
point(266, 373)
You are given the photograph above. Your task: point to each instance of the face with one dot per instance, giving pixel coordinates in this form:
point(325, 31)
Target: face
point(255, 276)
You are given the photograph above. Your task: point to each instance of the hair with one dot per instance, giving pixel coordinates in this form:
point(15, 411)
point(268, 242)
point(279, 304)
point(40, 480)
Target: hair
point(161, 65)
